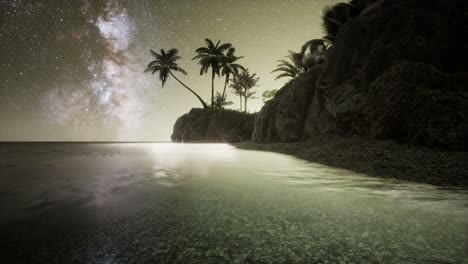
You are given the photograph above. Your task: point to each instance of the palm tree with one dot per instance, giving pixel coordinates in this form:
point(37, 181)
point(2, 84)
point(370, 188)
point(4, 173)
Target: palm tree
point(247, 81)
point(237, 89)
point(221, 101)
point(230, 67)
point(165, 63)
point(289, 69)
point(248, 95)
point(211, 57)
point(311, 54)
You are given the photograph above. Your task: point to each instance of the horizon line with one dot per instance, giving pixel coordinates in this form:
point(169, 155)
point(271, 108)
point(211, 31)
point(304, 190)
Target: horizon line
point(85, 141)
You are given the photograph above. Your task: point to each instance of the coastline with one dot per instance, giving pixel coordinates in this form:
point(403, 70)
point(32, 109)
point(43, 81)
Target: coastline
point(378, 158)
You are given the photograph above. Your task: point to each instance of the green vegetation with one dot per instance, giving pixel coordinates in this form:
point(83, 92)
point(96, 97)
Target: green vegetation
point(212, 57)
point(311, 54)
point(237, 89)
point(230, 67)
point(222, 61)
point(242, 84)
point(220, 101)
point(269, 94)
point(314, 52)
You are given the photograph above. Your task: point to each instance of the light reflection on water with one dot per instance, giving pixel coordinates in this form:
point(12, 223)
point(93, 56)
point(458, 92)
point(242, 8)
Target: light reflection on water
point(297, 173)
point(242, 205)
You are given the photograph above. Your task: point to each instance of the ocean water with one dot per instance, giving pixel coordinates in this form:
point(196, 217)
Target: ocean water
point(213, 203)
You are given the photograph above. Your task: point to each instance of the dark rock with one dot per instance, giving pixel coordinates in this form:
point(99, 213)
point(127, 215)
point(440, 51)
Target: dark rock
point(397, 71)
point(204, 125)
point(282, 119)
point(402, 78)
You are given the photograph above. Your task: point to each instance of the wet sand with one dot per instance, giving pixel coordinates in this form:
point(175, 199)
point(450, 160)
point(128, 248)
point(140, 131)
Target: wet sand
point(377, 158)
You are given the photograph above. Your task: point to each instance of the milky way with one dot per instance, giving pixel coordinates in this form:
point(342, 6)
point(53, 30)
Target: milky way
point(73, 69)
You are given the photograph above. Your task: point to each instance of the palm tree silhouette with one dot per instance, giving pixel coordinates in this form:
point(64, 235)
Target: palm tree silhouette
point(221, 101)
point(229, 67)
point(290, 69)
point(311, 54)
point(237, 89)
point(211, 57)
point(247, 81)
point(165, 63)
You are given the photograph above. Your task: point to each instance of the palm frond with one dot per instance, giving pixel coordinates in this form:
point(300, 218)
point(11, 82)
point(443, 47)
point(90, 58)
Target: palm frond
point(224, 47)
point(291, 71)
point(178, 69)
point(284, 75)
point(284, 63)
point(231, 52)
point(152, 63)
point(155, 54)
point(172, 53)
point(209, 43)
point(200, 56)
point(203, 50)
point(163, 76)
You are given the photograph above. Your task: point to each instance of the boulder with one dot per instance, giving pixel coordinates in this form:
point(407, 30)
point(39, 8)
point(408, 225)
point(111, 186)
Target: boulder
point(205, 125)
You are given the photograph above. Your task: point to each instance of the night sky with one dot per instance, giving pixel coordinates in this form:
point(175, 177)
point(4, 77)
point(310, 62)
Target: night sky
point(73, 69)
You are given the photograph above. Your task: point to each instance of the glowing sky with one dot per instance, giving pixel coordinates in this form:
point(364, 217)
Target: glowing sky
point(73, 69)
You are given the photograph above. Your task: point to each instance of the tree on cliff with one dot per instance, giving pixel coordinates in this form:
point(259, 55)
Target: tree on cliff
point(246, 81)
point(289, 69)
point(311, 54)
point(165, 63)
point(334, 17)
point(230, 67)
point(221, 101)
point(237, 89)
point(211, 57)
point(269, 94)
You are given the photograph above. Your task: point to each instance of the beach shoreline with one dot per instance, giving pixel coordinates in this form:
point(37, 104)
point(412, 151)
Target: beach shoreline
point(378, 158)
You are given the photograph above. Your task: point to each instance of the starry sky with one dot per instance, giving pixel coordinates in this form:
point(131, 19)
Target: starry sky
point(73, 69)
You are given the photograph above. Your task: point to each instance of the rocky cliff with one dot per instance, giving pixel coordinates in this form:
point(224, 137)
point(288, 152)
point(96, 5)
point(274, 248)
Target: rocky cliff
point(396, 71)
point(204, 125)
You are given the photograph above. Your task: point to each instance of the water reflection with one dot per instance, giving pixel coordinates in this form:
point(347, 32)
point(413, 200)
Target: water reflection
point(215, 203)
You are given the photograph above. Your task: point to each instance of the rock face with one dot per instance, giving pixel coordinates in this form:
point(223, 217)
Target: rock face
point(397, 71)
point(202, 125)
point(282, 119)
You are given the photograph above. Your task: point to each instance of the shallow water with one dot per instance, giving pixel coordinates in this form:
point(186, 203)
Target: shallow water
point(213, 203)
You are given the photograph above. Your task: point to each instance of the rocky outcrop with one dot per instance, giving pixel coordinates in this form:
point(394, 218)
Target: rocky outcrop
point(397, 71)
point(204, 125)
point(282, 118)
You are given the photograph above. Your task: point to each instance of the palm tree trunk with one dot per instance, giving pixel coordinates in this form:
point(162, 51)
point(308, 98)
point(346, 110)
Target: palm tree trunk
point(212, 87)
point(205, 106)
point(225, 84)
point(245, 104)
point(240, 100)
